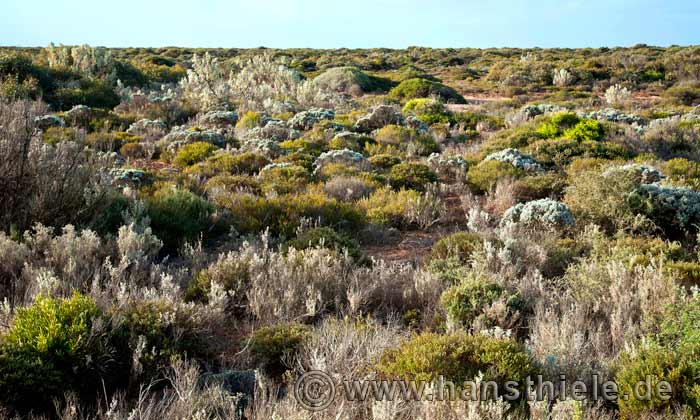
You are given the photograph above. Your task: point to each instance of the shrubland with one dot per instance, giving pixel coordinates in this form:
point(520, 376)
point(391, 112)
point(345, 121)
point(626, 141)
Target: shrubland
point(178, 223)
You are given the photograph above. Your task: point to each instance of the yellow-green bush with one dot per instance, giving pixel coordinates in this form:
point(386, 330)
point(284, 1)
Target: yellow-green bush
point(458, 246)
point(192, 153)
point(271, 346)
point(414, 176)
point(177, 216)
point(51, 349)
point(458, 358)
point(389, 208)
point(484, 176)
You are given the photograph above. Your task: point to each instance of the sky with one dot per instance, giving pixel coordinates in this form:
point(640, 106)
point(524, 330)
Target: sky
point(350, 23)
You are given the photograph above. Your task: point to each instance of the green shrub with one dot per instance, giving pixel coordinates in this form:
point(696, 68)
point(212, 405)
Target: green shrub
point(671, 356)
point(422, 88)
point(249, 120)
point(168, 332)
point(685, 273)
point(412, 176)
point(684, 95)
point(563, 151)
point(469, 302)
point(458, 358)
point(93, 93)
point(423, 106)
point(586, 130)
point(233, 183)
point(535, 187)
point(328, 238)
point(51, 349)
point(192, 153)
point(132, 151)
point(271, 347)
point(233, 274)
point(282, 214)
point(394, 135)
point(178, 216)
point(659, 364)
point(384, 161)
point(284, 179)
point(458, 246)
point(484, 176)
point(389, 208)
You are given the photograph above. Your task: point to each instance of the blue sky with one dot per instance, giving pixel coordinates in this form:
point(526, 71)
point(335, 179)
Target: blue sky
point(351, 24)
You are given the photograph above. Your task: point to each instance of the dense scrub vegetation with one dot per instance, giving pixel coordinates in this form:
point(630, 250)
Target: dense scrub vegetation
point(174, 221)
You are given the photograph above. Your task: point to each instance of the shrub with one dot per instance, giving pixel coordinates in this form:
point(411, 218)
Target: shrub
point(535, 187)
point(538, 213)
point(389, 208)
point(233, 183)
point(178, 216)
point(192, 153)
point(517, 159)
point(327, 238)
point(422, 106)
point(51, 348)
point(484, 176)
point(471, 304)
point(349, 188)
point(422, 88)
point(351, 80)
point(457, 246)
point(283, 214)
point(673, 209)
point(249, 120)
point(273, 348)
point(283, 178)
point(564, 151)
point(458, 358)
point(229, 272)
point(659, 364)
point(93, 93)
point(413, 176)
point(685, 273)
point(394, 135)
point(384, 161)
point(164, 331)
point(242, 164)
point(586, 130)
point(132, 151)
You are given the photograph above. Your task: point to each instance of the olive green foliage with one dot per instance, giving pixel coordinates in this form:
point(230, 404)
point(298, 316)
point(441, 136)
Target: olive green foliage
point(468, 303)
point(484, 176)
point(167, 332)
point(389, 208)
point(422, 88)
point(50, 349)
point(413, 176)
point(586, 130)
point(250, 119)
point(192, 153)
point(458, 246)
point(178, 216)
point(284, 179)
point(384, 161)
point(282, 214)
point(273, 348)
point(458, 358)
point(225, 163)
point(328, 238)
point(672, 357)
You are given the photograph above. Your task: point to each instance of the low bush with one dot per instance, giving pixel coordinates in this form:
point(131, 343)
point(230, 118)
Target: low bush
point(51, 348)
point(273, 348)
point(422, 88)
point(586, 130)
point(327, 238)
point(235, 164)
point(458, 358)
point(283, 178)
point(389, 208)
point(457, 246)
point(480, 303)
point(484, 176)
point(414, 176)
point(178, 216)
point(193, 153)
